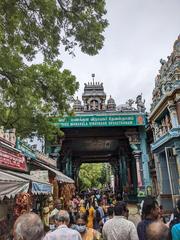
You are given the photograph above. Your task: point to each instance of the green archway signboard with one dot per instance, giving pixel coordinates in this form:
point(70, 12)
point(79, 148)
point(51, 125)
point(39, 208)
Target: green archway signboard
point(101, 121)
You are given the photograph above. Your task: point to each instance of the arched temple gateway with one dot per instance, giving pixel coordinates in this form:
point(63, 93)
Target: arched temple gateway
point(104, 132)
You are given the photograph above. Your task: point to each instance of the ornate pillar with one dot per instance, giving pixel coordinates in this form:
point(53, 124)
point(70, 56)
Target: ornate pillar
point(173, 114)
point(116, 178)
point(75, 171)
point(61, 164)
point(120, 172)
point(134, 175)
point(137, 156)
point(177, 99)
point(103, 105)
point(68, 163)
point(146, 181)
point(159, 175)
point(124, 172)
point(177, 147)
point(129, 174)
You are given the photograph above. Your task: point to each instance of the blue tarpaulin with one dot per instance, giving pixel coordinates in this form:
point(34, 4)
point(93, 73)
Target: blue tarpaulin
point(38, 188)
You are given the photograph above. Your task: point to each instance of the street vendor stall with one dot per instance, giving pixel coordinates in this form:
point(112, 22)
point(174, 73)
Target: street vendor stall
point(63, 186)
point(10, 186)
point(19, 193)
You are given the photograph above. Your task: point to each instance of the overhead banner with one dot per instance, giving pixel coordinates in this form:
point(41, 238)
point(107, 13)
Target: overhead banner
point(11, 158)
point(102, 121)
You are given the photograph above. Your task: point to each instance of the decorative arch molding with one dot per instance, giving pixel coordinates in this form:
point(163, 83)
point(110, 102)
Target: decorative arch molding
point(92, 103)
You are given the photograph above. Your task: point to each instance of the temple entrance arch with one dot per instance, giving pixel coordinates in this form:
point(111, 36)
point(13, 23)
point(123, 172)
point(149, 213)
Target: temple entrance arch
point(110, 134)
point(120, 146)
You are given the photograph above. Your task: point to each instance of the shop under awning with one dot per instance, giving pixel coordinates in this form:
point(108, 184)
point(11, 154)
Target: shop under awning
point(11, 185)
point(59, 175)
point(37, 187)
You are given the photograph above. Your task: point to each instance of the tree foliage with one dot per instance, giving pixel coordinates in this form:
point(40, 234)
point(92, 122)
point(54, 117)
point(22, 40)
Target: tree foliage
point(27, 27)
point(93, 175)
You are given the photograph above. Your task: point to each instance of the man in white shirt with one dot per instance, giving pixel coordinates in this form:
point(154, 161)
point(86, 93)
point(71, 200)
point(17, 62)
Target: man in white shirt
point(119, 228)
point(62, 232)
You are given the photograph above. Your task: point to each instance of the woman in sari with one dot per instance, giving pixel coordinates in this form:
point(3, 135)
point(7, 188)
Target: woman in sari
point(91, 214)
point(86, 232)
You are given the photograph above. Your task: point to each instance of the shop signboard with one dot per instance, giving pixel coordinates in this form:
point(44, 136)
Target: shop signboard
point(40, 175)
point(44, 158)
point(101, 121)
point(27, 151)
point(11, 158)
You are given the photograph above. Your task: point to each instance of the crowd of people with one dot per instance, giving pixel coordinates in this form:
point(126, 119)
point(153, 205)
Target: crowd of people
point(96, 216)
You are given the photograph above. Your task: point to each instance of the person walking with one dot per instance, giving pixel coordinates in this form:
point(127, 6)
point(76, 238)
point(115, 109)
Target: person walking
point(91, 213)
point(28, 227)
point(86, 232)
point(157, 231)
point(62, 232)
point(108, 215)
point(150, 213)
point(119, 228)
point(99, 215)
point(175, 223)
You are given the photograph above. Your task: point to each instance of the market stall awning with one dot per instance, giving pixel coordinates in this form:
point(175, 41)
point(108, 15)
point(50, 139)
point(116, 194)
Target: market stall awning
point(41, 188)
point(11, 185)
point(59, 175)
point(37, 187)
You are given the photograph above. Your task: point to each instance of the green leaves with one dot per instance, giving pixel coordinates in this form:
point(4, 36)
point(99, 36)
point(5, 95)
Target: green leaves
point(32, 26)
point(93, 175)
point(30, 93)
point(39, 90)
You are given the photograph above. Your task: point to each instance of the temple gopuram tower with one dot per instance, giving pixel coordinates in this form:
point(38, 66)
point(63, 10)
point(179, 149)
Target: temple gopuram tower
point(165, 123)
point(94, 96)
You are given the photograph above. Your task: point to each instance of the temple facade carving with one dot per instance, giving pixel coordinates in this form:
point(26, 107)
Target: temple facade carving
point(164, 120)
point(168, 77)
point(103, 130)
point(94, 99)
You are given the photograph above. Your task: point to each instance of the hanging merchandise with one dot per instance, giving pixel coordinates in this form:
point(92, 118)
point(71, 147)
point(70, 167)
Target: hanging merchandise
point(23, 204)
point(67, 190)
point(55, 189)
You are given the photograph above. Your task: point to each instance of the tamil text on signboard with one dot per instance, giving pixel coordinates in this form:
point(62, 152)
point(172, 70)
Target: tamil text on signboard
point(102, 121)
point(12, 159)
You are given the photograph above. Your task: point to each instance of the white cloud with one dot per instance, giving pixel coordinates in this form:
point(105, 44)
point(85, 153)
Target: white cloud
point(140, 33)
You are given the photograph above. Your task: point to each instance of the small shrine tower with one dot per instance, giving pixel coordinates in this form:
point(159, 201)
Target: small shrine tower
point(94, 96)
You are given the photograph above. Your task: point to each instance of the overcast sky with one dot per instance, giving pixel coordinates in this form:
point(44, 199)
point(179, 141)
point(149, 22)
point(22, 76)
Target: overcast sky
point(140, 32)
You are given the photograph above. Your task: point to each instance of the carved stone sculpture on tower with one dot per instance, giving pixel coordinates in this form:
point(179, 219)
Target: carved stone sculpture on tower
point(168, 122)
point(127, 106)
point(163, 124)
point(140, 104)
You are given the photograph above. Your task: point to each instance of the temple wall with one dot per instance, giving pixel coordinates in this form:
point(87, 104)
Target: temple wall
point(178, 111)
